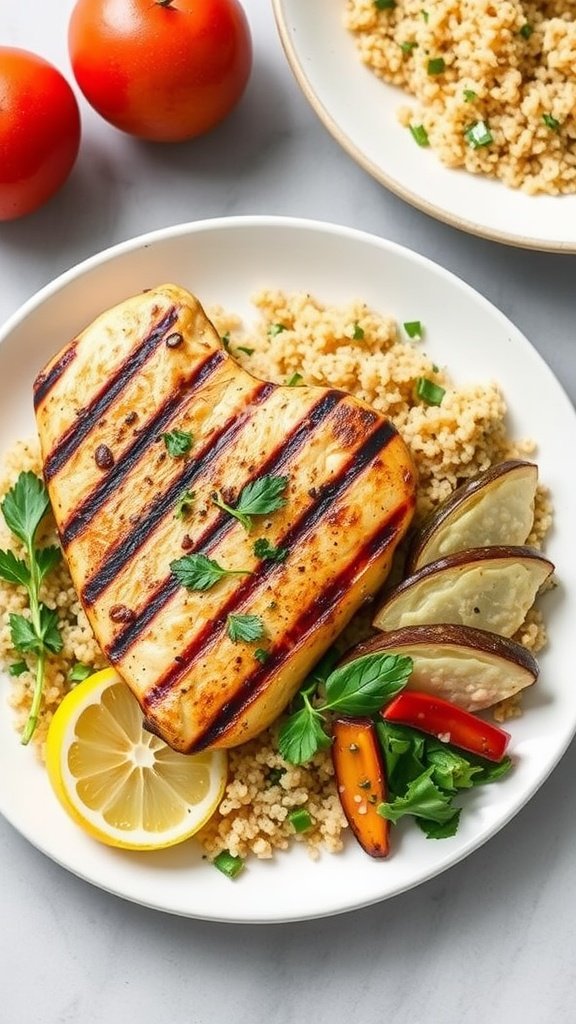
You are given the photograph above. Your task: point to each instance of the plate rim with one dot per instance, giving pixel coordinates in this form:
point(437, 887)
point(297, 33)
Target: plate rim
point(326, 227)
point(393, 184)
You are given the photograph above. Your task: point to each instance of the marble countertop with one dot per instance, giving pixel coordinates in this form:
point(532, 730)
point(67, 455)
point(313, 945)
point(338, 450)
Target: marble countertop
point(494, 937)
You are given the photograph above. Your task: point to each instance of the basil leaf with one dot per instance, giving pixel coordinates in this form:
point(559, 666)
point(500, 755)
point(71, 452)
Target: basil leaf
point(362, 686)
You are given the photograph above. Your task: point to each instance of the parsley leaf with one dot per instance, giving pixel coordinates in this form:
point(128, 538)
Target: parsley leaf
point(245, 628)
point(264, 549)
point(13, 570)
point(184, 505)
point(178, 443)
point(261, 655)
point(258, 498)
point(198, 572)
point(24, 506)
point(17, 668)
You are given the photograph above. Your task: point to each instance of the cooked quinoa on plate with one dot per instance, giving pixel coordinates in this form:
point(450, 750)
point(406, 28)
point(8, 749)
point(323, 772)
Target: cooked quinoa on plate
point(494, 84)
point(461, 433)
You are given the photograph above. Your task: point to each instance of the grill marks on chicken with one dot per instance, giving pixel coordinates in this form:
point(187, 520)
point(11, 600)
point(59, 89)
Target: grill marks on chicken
point(350, 497)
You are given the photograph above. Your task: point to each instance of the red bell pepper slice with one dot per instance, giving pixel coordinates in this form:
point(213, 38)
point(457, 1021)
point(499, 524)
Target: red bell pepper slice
point(447, 722)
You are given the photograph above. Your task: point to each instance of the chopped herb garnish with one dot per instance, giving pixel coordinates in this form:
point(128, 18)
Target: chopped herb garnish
point(408, 47)
point(275, 329)
point(300, 819)
point(198, 572)
point(24, 508)
point(264, 549)
point(551, 122)
point(413, 328)
point(526, 30)
point(184, 505)
point(385, 5)
point(228, 865)
point(245, 628)
point(258, 498)
point(225, 339)
point(470, 96)
point(178, 442)
point(419, 134)
point(17, 668)
point(294, 381)
point(357, 332)
point(429, 392)
point(436, 66)
point(274, 775)
point(425, 15)
point(261, 655)
point(478, 135)
point(247, 351)
point(359, 687)
point(79, 672)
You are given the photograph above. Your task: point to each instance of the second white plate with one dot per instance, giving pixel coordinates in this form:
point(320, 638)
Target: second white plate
point(360, 112)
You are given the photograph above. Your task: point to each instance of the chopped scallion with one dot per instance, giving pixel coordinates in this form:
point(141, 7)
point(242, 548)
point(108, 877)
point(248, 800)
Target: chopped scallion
point(385, 5)
point(526, 31)
point(275, 329)
point(436, 66)
point(551, 122)
point(357, 332)
point(429, 392)
point(419, 134)
point(425, 15)
point(300, 820)
point(413, 328)
point(479, 134)
point(470, 96)
point(228, 865)
point(408, 47)
point(294, 381)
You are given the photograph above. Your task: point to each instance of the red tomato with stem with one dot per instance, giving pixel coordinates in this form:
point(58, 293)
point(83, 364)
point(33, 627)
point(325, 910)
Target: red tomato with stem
point(163, 70)
point(39, 131)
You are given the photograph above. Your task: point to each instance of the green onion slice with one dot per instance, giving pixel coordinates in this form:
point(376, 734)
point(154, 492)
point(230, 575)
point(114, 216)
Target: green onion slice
point(419, 134)
point(479, 134)
point(300, 820)
point(429, 392)
point(228, 865)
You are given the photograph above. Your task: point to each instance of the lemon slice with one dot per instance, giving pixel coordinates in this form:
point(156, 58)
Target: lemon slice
point(122, 784)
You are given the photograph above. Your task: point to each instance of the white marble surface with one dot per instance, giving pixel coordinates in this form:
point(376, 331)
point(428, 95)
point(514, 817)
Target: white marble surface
point(492, 939)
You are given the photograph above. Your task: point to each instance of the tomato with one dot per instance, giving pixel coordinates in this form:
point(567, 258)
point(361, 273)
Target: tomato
point(163, 70)
point(39, 131)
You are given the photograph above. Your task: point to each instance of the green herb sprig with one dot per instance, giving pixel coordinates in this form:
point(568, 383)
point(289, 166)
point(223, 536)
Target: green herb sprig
point(178, 443)
point(245, 628)
point(360, 687)
point(258, 498)
point(198, 572)
point(24, 508)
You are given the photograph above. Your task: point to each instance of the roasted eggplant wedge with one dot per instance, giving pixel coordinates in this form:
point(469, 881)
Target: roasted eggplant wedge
point(129, 505)
point(494, 508)
point(467, 666)
point(491, 588)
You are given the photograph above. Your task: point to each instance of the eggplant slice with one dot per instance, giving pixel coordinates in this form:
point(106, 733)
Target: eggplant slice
point(470, 667)
point(491, 588)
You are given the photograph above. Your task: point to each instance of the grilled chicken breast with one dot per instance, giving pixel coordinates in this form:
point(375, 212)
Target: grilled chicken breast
point(153, 365)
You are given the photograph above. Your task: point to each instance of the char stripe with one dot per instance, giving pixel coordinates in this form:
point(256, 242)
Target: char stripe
point(307, 622)
point(127, 547)
point(84, 513)
point(78, 431)
point(212, 536)
point(306, 522)
point(45, 381)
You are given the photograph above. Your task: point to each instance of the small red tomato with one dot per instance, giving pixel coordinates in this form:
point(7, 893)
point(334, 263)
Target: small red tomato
point(163, 70)
point(39, 131)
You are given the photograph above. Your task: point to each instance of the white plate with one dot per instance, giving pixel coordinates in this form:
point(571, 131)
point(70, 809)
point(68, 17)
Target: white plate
point(360, 112)
point(227, 261)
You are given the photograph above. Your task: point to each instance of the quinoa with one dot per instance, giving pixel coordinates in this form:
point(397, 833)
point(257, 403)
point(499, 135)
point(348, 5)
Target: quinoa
point(508, 67)
point(354, 348)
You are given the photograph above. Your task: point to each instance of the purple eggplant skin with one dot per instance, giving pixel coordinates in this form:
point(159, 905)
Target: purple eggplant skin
point(459, 501)
point(517, 667)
